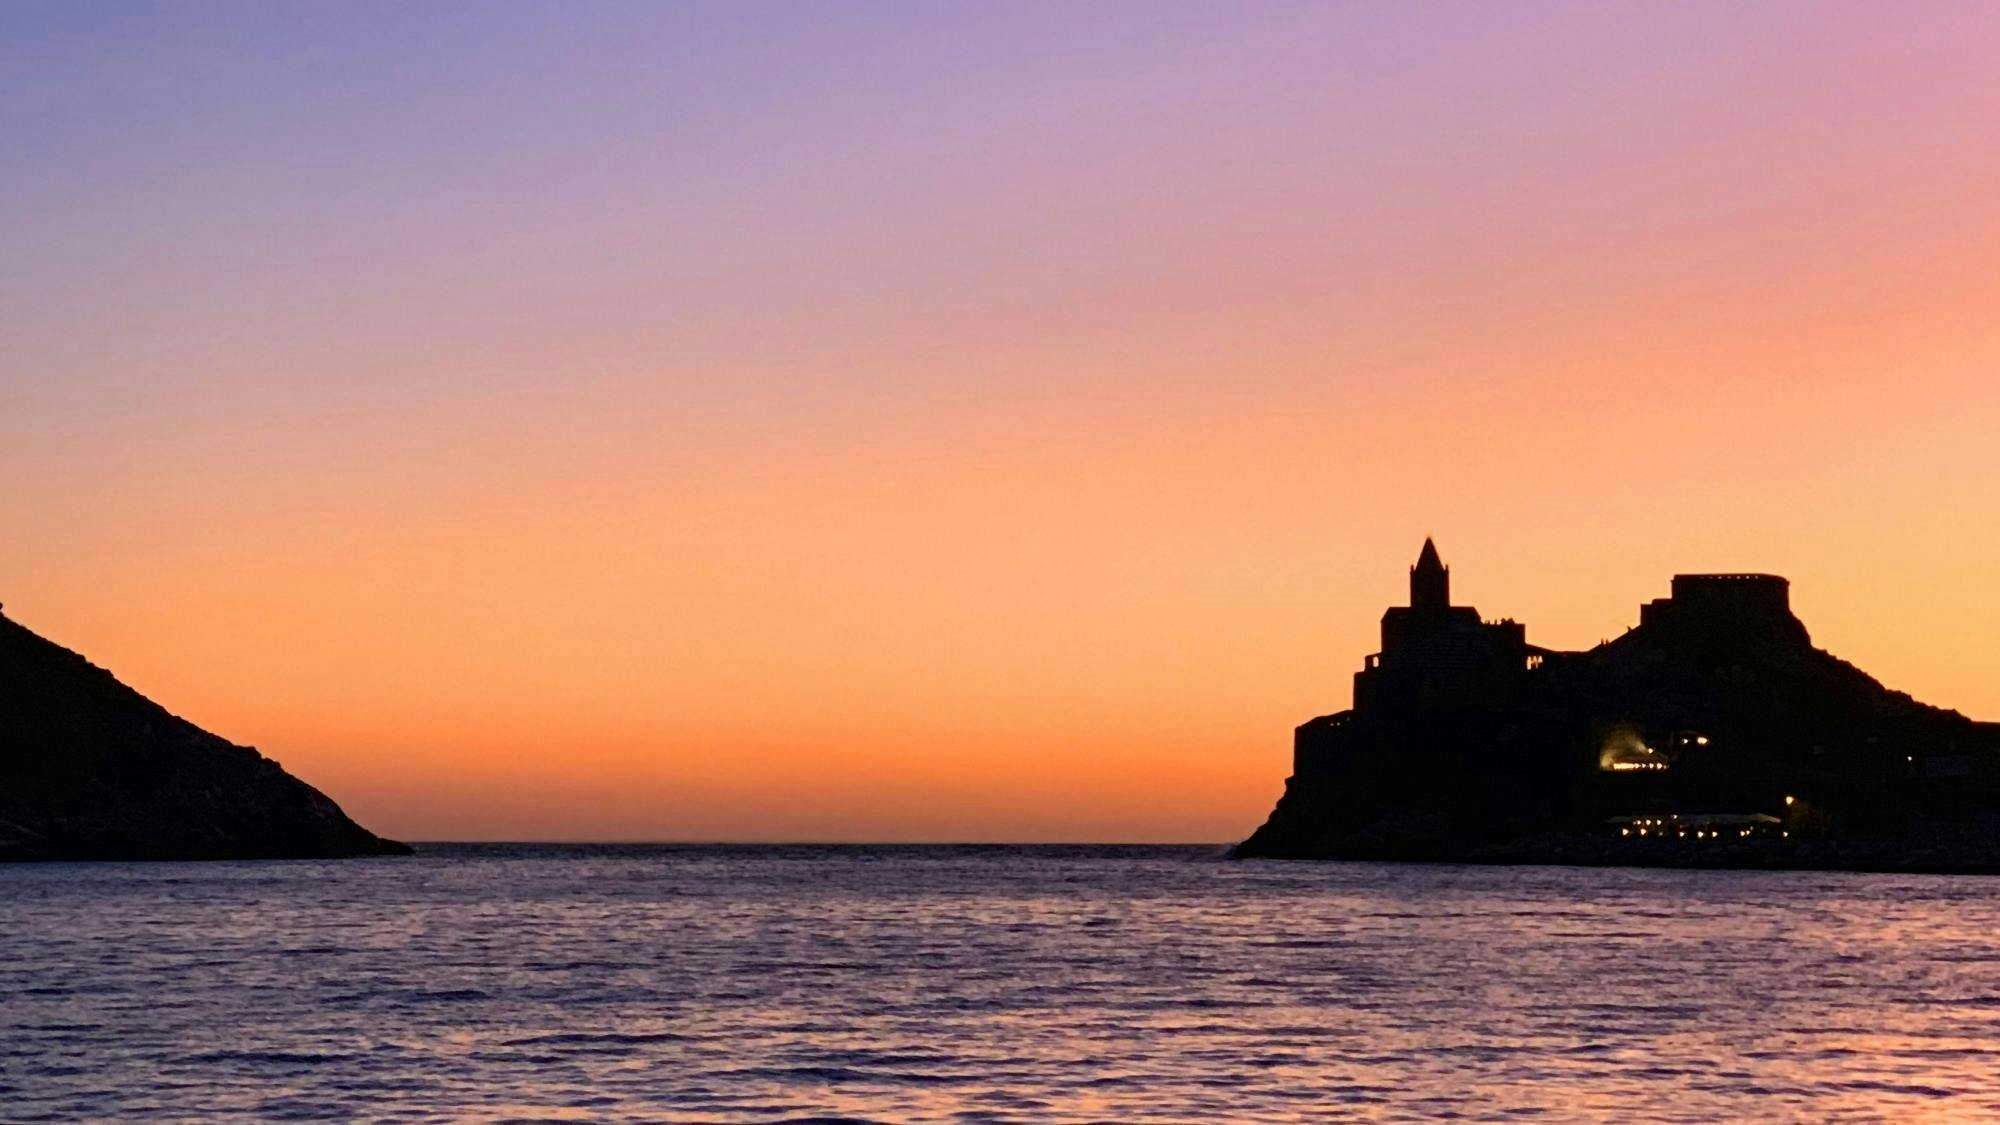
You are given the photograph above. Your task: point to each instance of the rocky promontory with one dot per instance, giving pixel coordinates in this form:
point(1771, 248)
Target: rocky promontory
point(90, 769)
point(1712, 734)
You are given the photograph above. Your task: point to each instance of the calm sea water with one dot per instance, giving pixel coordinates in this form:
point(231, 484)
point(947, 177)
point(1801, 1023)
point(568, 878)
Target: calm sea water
point(987, 984)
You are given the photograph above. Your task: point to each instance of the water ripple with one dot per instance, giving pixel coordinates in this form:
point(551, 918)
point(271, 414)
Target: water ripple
point(972, 985)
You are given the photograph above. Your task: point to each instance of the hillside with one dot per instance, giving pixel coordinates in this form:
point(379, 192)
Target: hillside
point(90, 769)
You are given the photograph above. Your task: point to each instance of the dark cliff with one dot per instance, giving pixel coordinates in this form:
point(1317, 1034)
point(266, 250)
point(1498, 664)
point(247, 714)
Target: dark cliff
point(90, 769)
point(1712, 734)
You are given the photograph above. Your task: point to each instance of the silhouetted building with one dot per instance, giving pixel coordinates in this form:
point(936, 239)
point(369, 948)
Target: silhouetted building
point(1435, 653)
point(1710, 602)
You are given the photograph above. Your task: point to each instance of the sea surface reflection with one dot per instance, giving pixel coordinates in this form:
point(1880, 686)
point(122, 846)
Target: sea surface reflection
point(987, 984)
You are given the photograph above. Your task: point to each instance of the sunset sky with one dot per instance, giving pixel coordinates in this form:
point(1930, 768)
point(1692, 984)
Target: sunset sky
point(952, 421)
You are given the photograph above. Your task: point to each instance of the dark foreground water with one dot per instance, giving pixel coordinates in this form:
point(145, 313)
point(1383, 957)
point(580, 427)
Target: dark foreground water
point(1017, 984)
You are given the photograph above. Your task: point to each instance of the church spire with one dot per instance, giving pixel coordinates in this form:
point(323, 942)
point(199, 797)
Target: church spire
point(1428, 559)
point(1430, 580)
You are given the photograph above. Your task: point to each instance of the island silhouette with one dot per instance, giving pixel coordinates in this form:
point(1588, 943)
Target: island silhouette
point(90, 769)
point(1711, 734)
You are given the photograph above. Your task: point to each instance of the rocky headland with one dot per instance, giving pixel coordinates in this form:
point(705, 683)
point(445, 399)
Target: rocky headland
point(1712, 734)
point(92, 770)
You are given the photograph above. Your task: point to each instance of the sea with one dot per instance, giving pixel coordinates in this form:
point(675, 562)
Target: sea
point(987, 984)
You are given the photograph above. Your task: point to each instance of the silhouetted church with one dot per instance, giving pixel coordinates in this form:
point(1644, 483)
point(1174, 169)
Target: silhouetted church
point(1433, 650)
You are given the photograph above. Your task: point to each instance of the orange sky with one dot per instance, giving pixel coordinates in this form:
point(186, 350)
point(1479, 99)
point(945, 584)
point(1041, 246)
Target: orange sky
point(990, 443)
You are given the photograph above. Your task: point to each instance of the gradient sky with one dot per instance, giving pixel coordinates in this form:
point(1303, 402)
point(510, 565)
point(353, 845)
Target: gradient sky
point(776, 421)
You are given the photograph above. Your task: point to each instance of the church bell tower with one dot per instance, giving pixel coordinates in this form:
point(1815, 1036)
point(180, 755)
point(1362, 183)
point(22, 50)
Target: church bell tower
point(1430, 581)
